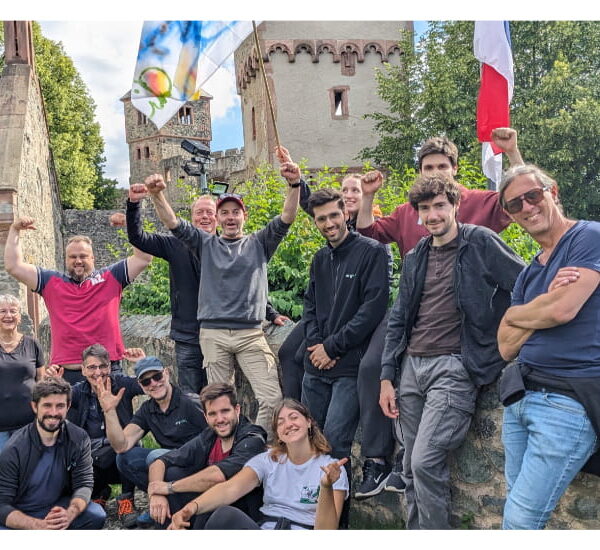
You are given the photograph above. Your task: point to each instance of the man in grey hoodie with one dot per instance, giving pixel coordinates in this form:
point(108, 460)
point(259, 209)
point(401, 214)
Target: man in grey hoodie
point(233, 288)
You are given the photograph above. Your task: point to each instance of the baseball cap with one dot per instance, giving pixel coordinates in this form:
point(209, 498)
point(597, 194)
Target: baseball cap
point(148, 364)
point(224, 197)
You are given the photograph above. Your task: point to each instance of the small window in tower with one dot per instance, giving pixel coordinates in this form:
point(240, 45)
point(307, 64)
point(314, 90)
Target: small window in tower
point(253, 125)
point(339, 102)
point(141, 118)
point(138, 153)
point(185, 116)
point(146, 152)
point(168, 175)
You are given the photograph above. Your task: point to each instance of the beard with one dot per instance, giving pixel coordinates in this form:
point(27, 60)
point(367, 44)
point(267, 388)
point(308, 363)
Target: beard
point(50, 429)
point(76, 277)
point(232, 427)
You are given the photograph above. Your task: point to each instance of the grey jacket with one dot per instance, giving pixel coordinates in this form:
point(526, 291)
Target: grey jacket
point(484, 275)
point(233, 286)
point(22, 453)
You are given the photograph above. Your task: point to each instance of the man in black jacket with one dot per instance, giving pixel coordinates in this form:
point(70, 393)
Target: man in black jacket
point(184, 281)
point(441, 341)
point(215, 455)
point(46, 473)
point(345, 300)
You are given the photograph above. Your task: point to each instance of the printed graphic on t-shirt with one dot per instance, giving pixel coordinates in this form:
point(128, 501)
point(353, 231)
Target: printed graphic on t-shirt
point(309, 495)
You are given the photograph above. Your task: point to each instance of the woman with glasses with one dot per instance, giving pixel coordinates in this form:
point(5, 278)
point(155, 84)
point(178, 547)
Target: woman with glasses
point(303, 487)
point(21, 360)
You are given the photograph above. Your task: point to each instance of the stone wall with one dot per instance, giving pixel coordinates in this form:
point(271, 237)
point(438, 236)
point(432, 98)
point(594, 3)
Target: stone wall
point(476, 468)
point(228, 166)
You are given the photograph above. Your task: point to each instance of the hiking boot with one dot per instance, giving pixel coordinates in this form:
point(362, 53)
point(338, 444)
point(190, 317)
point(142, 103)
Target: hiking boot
point(102, 498)
point(395, 483)
point(374, 478)
point(126, 510)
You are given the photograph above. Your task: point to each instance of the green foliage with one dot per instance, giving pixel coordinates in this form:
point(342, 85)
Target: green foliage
point(555, 108)
point(150, 293)
point(106, 195)
point(77, 146)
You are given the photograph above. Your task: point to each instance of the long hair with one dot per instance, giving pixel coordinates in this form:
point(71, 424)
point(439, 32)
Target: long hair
point(317, 440)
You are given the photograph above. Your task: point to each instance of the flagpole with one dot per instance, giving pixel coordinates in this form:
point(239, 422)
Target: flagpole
point(262, 69)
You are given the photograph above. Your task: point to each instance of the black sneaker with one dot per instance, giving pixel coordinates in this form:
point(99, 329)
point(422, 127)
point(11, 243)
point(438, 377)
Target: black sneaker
point(374, 477)
point(126, 510)
point(395, 483)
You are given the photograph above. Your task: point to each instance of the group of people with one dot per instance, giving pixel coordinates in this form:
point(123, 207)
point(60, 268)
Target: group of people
point(409, 376)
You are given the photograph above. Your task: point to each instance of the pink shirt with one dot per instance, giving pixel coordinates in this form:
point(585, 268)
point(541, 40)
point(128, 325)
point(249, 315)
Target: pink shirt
point(86, 313)
point(402, 226)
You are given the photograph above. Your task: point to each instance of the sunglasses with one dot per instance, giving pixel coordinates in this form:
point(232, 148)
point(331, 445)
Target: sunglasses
point(533, 197)
point(157, 377)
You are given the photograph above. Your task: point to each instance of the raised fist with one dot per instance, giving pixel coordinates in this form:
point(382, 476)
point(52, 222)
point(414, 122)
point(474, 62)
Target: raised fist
point(117, 219)
point(24, 222)
point(137, 192)
point(155, 184)
point(371, 182)
point(505, 138)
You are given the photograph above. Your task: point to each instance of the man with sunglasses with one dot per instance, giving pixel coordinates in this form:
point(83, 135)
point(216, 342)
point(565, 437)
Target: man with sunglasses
point(232, 295)
point(552, 331)
point(172, 417)
point(440, 344)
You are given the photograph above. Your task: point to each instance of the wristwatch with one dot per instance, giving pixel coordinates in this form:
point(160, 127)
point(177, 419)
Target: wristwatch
point(170, 489)
point(295, 185)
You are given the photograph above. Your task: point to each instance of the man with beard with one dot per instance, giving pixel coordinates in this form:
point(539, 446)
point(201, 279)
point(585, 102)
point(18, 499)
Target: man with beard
point(215, 455)
point(83, 304)
point(46, 475)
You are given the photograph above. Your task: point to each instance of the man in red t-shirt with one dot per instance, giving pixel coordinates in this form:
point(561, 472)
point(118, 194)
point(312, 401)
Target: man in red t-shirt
point(216, 454)
point(402, 226)
point(83, 303)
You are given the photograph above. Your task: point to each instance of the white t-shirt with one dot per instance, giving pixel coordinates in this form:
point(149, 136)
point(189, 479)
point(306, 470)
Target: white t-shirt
point(292, 490)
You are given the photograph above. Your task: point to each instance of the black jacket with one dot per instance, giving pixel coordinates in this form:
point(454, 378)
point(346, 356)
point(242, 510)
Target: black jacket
point(184, 275)
point(248, 441)
point(346, 298)
point(83, 394)
point(22, 453)
point(485, 272)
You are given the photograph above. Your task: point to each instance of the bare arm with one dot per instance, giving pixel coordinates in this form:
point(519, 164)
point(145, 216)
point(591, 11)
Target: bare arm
point(370, 183)
point(13, 255)
point(220, 495)
point(557, 307)
point(511, 340)
point(331, 502)
point(196, 483)
point(18, 520)
point(137, 263)
point(291, 172)
point(506, 139)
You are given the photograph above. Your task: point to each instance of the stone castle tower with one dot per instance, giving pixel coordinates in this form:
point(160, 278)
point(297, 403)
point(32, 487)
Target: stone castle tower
point(159, 151)
point(322, 80)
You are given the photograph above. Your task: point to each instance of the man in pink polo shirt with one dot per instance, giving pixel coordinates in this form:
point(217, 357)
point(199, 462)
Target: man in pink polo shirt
point(83, 303)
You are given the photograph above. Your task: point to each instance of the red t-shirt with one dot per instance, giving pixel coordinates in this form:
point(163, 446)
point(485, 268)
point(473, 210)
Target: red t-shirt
point(86, 313)
point(402, 226)
point(216, 453)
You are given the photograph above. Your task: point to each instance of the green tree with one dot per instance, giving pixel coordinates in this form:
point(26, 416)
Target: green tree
point(555, 105)
point(75, 139)
point(106, 194)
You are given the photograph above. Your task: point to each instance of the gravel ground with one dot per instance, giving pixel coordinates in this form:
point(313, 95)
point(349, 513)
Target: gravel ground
point(112, 521)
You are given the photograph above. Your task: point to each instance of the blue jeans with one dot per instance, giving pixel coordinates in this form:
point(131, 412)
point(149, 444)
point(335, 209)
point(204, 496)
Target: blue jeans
point(93, 517)
point(191, 377)
point(333, 402)
point(547, 439)
point(134, 464)
point(4, 437)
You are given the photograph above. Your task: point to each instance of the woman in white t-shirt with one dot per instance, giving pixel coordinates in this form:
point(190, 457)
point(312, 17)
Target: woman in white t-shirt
point(304, 488)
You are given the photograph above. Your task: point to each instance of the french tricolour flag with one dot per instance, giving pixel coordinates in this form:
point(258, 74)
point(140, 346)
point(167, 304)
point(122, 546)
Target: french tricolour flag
point(491, 44)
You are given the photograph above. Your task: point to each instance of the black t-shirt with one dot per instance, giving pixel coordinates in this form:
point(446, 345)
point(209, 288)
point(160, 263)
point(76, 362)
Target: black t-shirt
point(17, 377)
point(182, 421)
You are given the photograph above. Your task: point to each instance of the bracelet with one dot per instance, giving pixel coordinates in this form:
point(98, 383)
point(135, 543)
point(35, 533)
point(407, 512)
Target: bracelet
point(295, 185)
point(197, 508)
point(170, 488)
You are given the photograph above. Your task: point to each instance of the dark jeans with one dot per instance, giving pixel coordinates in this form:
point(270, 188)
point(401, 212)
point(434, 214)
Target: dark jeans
point(229, 518)
point(135, 462)
point(292, 368)
point(93, 517)
point(103, 477)
point(333, 403)
point(190, 374)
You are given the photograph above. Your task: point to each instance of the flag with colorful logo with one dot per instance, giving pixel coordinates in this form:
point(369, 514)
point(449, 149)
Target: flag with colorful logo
point(492, 47)
point(176, 58)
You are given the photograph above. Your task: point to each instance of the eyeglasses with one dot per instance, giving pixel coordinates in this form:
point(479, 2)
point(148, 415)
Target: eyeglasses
point(157, 377)
point(103, 366)
point(533, 197)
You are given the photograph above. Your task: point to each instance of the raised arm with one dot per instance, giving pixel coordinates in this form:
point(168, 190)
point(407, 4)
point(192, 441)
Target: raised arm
point(331, 502)
point(13, 256)
point(506, 139)
point(137, 262)
point(370, 183)
point(155, 184)
point(291, 172)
